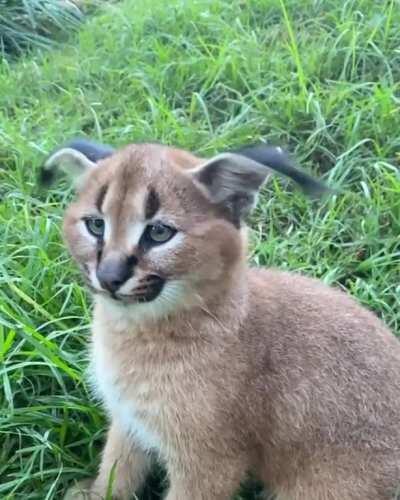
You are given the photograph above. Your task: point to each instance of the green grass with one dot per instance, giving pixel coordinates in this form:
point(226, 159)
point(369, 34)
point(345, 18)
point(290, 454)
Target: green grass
point(321, 77)
point(25, 24)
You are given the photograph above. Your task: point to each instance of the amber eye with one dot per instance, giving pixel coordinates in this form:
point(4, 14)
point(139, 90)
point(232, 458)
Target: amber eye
point(160, 233)
point(95, 226)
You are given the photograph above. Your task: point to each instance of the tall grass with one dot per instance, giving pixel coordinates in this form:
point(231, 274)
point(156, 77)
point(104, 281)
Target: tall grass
point(321, 76)
point(26, 24)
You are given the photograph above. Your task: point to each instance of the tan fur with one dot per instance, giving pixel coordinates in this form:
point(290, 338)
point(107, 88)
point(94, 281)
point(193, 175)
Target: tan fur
point(248, 370)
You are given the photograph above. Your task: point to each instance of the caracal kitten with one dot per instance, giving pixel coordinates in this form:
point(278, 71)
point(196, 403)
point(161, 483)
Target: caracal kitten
point(215, 368)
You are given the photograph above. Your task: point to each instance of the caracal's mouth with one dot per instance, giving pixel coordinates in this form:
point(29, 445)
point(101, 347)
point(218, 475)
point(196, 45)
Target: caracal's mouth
point(148, 289)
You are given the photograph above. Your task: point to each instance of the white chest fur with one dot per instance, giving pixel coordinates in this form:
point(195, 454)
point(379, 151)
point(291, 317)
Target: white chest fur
point(125, 401)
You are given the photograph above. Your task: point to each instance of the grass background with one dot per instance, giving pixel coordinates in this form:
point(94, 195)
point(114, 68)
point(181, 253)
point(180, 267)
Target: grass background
point(321, 77)
point(25, 24)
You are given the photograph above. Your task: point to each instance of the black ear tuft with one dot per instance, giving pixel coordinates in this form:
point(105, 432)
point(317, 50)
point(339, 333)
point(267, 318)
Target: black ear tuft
point(94, 151)
point(278, 160)
point(46, 177)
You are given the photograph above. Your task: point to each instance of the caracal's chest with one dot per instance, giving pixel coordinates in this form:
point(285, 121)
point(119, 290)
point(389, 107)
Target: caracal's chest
point(131, 398)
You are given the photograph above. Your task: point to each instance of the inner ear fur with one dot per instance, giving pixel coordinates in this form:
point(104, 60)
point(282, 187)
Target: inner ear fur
point(232, 182)
point(76, 159)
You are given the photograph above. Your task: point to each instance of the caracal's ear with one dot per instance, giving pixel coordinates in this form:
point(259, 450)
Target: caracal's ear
point(233, 180)
point(76, 158)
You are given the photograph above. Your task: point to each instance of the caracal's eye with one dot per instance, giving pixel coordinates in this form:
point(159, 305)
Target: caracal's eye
point(95, 226)
point(159, 233)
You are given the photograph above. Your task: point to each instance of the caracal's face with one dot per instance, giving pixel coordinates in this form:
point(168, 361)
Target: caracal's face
point(143, 233)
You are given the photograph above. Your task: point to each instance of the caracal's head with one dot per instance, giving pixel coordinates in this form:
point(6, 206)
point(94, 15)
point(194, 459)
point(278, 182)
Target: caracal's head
point(157, 227)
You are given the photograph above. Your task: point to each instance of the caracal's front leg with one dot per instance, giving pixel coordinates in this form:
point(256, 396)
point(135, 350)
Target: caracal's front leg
point(131, 468)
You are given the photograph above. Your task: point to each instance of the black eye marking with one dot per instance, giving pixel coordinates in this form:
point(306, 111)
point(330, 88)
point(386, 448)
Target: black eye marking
point(95, 226)
point(100, 197)
point(100, 245)
point(132, 260)
point(152, 204)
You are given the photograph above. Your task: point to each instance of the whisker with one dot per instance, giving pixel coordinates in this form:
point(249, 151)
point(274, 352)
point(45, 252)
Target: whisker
point(207, 311)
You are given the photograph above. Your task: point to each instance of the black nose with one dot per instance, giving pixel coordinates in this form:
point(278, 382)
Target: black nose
point(113, 272)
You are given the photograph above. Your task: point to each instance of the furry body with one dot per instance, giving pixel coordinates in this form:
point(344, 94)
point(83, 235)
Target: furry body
point(313, 411)
point(227, 370)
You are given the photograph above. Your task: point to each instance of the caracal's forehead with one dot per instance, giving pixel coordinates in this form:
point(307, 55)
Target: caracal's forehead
point(142, 181)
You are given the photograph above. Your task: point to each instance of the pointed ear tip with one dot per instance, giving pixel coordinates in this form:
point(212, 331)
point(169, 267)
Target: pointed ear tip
point(319, 191)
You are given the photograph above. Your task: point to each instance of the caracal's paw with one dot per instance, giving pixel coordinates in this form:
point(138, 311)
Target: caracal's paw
point(82, 490)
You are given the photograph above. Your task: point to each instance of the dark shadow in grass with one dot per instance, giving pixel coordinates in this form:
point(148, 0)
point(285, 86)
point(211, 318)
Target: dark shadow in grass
point(156, 484)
